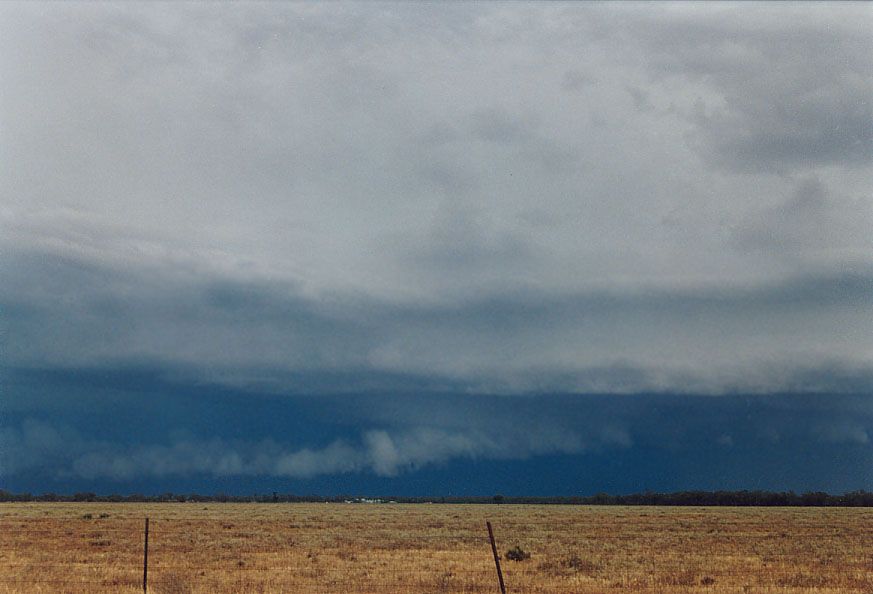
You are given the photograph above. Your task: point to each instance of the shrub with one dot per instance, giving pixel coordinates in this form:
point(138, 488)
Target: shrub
point(517, 554)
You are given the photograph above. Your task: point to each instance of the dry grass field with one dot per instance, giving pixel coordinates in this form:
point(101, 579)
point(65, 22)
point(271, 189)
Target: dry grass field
point(369, 548)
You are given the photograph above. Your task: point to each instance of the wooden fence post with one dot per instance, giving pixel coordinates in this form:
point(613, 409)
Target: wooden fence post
point(496, 558)
point(145, 560)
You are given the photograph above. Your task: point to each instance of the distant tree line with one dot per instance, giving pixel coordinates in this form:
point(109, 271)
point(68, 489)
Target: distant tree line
point(707, 498)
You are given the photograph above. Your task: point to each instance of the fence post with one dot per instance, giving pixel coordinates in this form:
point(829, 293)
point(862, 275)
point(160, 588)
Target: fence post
point(145, 560)
point(496, 558)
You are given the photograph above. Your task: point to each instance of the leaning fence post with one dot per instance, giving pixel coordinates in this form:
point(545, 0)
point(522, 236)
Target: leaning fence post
point(145, 560)
point(496, 558)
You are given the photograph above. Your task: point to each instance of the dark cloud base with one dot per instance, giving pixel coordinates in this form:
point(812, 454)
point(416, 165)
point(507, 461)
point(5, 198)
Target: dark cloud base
point(302, 247)
point(806, 333)
point(438, 444)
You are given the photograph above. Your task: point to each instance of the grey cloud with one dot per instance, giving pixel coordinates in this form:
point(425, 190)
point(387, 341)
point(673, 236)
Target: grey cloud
point(809, 220)
point(452, 178)
point(750, 141)
point(400, 434)
point(574, 80)
point(521, 132)
point(328, 194)
point(32, 443)
point(336, 458)
point(640, 98)
point(725, 440)
point(496, 125)
point(780, 98)
point(808, 334)
point(460, 241)
point(287, 133)
point(380, 452)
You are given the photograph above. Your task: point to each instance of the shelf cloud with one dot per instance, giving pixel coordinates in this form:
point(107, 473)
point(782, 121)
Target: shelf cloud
point(507, 199)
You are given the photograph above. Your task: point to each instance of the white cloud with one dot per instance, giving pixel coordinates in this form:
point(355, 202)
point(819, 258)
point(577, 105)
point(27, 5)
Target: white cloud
point(379, 452)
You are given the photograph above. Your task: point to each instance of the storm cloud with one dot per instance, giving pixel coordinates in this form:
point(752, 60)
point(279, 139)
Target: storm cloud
point(513, 199)
point(398, 441)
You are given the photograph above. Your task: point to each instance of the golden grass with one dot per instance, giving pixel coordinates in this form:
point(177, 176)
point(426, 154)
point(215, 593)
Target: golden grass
point(363, 548)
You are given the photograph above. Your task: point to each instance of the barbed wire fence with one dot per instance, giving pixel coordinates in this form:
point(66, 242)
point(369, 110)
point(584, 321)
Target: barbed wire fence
point(183, 556)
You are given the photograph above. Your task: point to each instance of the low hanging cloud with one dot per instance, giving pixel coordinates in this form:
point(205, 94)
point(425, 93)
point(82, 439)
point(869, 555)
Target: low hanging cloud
point(37, 445)
point(388, 436)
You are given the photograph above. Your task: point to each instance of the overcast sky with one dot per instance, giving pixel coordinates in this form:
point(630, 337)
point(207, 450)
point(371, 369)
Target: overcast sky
point(517, 199)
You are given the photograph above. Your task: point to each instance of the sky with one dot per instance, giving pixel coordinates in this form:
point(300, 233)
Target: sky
point(433, 249)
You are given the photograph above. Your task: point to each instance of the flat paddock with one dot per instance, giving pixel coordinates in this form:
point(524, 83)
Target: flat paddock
point(217, 548)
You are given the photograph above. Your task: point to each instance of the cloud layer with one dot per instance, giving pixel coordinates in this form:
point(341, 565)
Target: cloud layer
point(808, 334)
point(36, 445)
point(400, 443)
point(509, 198)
